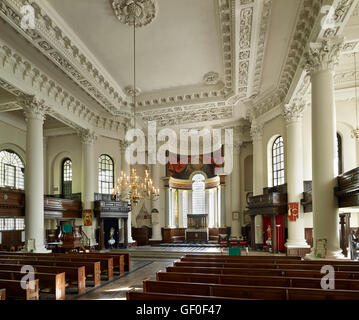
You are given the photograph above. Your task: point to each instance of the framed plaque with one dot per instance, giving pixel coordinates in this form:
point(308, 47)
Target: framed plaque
point(235, 215)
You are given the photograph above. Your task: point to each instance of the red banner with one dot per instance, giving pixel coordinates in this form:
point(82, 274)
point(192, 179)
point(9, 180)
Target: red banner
point(293, 211)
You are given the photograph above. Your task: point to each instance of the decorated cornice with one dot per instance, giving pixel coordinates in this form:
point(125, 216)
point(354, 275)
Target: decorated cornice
point(293, 112)
point(188, 114)
point(323, 55)
point(33, 107)
point(52, 42)
point(263, 34)
point(19, 76)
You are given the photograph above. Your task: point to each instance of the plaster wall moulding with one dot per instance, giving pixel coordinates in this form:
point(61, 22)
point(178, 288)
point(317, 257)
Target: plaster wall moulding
point(145, 11)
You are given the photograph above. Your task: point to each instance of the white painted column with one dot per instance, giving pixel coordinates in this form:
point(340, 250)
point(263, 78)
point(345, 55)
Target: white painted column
point(258, 174)
point(180, 208)
point(222, 188)
point(321, 60)
point(357, 151)
point(157, 204)
point(293, 114)
point(236, 203)
point(216, 209)
point(189, 201)
point(125, 167)
point(34, 174)
point(89, 170)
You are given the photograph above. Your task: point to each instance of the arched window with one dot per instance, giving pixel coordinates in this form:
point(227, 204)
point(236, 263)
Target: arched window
point(67, 178)
point(198, 194)
point(11, 170)
point(339, 154)
point(278, 161)
point(105, 174)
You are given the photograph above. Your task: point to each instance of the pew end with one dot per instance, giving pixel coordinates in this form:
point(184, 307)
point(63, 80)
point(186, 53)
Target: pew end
point(2, 294)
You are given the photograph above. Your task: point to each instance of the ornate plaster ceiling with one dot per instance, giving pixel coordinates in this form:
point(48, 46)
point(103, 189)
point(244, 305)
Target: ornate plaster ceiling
point(197, 61)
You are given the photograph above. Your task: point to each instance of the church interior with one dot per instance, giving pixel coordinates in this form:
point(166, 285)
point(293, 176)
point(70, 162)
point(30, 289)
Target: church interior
point(179, 149)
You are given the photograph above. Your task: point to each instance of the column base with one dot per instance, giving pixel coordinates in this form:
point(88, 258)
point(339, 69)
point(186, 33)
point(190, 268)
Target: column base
point(333, 255)
point(31, 247)
point(155, 241)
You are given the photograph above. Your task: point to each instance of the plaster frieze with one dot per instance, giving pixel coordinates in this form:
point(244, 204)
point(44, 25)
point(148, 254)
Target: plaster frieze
point(52, 42)
point(323, 55)
point(188, 114)
point(263, 33)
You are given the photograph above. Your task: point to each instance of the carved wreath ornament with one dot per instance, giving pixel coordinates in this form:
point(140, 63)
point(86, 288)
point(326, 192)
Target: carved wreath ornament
point(144, 11)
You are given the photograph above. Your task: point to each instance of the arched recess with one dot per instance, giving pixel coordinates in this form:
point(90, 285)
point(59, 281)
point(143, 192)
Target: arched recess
point(270, 159)
point(56, 171)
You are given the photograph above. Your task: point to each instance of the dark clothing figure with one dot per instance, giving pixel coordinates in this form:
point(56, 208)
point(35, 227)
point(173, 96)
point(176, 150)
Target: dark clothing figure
point(353, 244)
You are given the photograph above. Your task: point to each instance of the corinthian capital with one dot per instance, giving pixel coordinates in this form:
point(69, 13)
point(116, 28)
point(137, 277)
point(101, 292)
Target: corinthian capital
point(33, 107)
point(293, 112)
point(123, 145)
point(323, 55)
point(87, 136)
point(256, 130)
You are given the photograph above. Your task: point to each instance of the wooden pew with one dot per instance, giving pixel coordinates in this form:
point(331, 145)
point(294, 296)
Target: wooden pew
point(2, 294)
point(56, 282)
point(135, 295)
point(275, 260)
point(14, 290)
point(201, 256)
point(120, 261)
point(106, 263)
point(263, 272)
point(246, 280)
point(91, 268)
point(126, 257)
point(299, 266)
point(73, 275)
point(251, 292)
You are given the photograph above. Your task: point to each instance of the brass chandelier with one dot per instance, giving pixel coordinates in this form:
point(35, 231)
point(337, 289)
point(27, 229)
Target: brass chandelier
point(131, 187)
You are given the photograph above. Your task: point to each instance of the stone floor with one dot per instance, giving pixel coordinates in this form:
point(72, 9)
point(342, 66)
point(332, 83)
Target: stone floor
point(141, 269)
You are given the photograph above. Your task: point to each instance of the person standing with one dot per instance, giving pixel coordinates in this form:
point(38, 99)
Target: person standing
point(353, 242)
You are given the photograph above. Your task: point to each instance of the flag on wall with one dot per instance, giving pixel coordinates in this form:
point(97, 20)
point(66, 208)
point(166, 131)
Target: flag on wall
point(293, 211)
